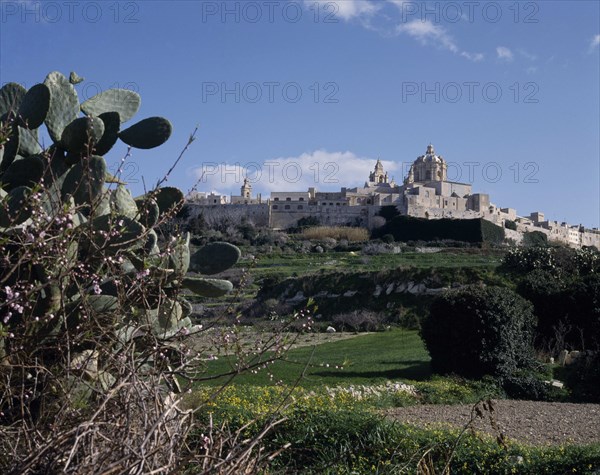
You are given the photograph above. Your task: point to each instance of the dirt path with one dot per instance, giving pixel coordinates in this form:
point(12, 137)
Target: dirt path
point(538, 423)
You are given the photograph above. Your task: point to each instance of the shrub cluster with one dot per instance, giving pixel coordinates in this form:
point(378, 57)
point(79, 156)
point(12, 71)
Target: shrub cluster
point(477, 331)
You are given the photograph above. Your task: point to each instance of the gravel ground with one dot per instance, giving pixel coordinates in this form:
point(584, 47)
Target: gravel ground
point(537, 423)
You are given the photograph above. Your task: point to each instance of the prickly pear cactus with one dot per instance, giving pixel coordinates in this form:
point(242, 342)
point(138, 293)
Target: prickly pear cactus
point(79, 253)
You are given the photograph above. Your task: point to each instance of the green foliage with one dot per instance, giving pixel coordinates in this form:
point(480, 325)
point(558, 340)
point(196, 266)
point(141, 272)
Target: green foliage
point(388, 212)
point(564, 286)
point(509, 224)
point(535, 239)
point(306, 222)
point(407, 228)
point(583, 378)
point(332, 435)
point(388, 238)
point(480, 331)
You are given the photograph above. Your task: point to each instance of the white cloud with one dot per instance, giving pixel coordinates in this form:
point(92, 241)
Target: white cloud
point(531, 70)
point(472, 56)
point(504, 53)
point(344, 9)
point(320, 169)
point(527, 55)
point(595, 42)
point(427, 33)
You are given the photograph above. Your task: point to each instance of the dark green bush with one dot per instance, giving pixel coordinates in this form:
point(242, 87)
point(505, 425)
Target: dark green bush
point(547, 293)
point(509, 224)
point(530, 385)
point(407, 228)
point(388, 238)
point(583, 378)
point(478, 331)
point(567, 307)
point(307, 222)
point(535, 239)
point(388, 212)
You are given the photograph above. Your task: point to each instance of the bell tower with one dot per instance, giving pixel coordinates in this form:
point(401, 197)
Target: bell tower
point(246, 189)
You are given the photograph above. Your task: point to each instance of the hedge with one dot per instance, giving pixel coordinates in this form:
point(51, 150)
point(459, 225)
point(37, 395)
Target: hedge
point(408, 228)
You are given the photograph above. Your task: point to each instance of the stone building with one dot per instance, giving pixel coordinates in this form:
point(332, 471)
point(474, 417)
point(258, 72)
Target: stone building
point(426, 192)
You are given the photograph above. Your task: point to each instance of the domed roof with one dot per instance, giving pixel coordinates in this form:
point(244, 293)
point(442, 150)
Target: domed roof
point(430, 156)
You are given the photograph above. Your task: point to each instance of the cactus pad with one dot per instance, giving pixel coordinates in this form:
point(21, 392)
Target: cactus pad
point(11, 96)
point(207, 287)
point(64, 104)
point(13, 209)
point(34, 107)
point(81, 134)
point(11, 148)
point(121, 202)
point(28, 142)
point(148, 211)
point(74, 78)
point(169, 200)
point(123, 101)
point(148, 133)
point(84, 180)
point(23, 172)
point(114, 232)
point(112, 124)
point(179, 259)
point(214, 258)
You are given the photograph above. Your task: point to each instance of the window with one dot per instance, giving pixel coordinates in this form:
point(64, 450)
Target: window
point(301, 199)
point(337, 204)
point(275, 199)
point(288, 199)
point(300, 207)
point(215, 201)
point(275, 207)
point(330, 204)
point(287, 207)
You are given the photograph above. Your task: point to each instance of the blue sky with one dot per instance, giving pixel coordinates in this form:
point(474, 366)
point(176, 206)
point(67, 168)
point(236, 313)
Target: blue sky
point(311, 93)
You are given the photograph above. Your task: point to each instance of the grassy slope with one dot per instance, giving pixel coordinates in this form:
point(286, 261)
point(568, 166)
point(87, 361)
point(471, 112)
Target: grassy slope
point(366, 359)
point(303, 264)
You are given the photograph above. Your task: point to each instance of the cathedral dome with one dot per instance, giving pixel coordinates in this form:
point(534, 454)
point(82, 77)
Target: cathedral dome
point(429, 167)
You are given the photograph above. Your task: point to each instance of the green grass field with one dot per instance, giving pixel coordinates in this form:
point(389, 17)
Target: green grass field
point(286, 265)
point(366, 359)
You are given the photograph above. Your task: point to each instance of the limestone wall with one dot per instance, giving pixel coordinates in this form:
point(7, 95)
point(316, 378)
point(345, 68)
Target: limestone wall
point(257, 213)
point(328, 215)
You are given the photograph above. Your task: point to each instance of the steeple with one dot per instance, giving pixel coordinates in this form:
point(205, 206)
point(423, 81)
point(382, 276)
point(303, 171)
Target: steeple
point(378, 175)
